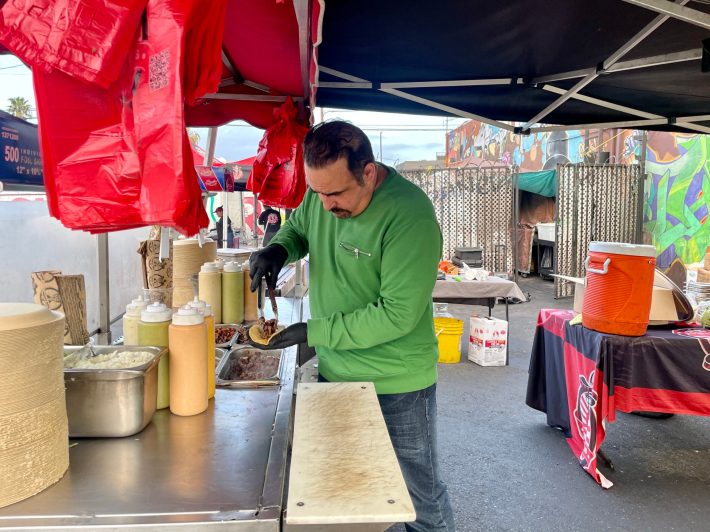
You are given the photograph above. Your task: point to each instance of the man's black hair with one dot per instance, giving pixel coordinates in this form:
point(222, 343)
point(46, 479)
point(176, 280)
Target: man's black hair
point(327, 142)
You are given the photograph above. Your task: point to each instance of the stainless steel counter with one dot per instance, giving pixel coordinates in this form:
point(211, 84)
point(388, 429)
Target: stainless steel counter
point(223, 468)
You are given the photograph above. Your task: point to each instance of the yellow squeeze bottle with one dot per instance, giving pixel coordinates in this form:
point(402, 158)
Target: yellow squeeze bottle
point(188, 362)
point(206, 311)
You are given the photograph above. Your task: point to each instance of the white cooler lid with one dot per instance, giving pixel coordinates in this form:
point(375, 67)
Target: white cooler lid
point(621, 248)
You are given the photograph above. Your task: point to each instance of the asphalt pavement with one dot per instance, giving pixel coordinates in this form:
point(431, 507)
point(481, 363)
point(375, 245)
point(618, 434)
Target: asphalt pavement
point(507, 470)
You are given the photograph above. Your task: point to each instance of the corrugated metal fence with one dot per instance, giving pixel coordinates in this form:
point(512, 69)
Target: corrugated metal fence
point(475, 208)
point(594, 202)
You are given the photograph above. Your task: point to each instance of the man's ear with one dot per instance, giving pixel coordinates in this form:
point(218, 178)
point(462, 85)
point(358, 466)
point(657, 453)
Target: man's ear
point(371, 172)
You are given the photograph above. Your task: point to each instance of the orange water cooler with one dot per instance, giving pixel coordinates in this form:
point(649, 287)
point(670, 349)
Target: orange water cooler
point(617, 298)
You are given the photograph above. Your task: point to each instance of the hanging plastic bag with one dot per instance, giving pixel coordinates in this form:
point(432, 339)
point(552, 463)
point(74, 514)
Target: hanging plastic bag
point(87, 39)
point(203, 55)
point(91, 169)
point(171, 193)
point(277, 175)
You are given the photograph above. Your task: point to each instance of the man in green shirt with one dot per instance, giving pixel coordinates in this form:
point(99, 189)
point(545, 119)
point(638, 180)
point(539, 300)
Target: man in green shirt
point(374, 245)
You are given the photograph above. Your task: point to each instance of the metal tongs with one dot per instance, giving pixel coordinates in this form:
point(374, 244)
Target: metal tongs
point(260, 302)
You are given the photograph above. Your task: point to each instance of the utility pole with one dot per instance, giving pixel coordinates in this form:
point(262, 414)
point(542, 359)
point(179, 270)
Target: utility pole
point(380, 146)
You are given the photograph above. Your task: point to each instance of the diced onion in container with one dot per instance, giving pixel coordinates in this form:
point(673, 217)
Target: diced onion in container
point(113, 360)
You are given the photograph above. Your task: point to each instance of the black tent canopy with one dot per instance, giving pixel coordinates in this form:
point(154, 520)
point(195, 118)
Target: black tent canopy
point(574, 63)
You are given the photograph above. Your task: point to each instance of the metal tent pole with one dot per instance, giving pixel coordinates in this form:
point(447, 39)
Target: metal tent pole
point(611, 60)
point(102, 255)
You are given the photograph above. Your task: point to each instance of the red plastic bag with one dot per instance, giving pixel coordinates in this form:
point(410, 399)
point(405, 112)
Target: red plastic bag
point(171, 193)
point(277, 175)
point(119, 157)
point(91, 169)
point(203, 54)
point(87, 39)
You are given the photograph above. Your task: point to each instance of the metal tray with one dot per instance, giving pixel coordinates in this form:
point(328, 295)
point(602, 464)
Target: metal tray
point(229, 344)
point(111, 402)
point(224, 369)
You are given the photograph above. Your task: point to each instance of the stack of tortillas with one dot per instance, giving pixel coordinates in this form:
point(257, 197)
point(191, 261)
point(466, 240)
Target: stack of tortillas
point(188, 258)
point(34, 447)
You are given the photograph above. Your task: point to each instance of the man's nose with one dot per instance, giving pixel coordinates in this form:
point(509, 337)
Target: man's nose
point(328, 203)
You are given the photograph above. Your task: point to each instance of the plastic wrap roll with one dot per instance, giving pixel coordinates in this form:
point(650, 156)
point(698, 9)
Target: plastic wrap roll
point(34, 453)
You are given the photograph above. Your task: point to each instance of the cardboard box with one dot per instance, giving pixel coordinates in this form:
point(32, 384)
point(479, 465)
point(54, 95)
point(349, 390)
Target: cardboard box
point(662, 303)
point(487, 341)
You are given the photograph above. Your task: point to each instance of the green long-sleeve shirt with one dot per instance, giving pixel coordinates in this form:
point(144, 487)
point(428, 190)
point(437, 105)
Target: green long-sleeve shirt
point(371, 280)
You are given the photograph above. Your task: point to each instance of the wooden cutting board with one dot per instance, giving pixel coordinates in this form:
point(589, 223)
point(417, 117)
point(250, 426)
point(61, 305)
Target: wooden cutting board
point(343, 467)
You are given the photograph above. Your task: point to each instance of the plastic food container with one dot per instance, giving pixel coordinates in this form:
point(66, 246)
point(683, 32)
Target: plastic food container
point(546, 231)
point(265, 370)
point(106, 403)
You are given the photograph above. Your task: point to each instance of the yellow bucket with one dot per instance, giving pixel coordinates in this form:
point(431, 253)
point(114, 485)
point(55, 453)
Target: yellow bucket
point(449, 331)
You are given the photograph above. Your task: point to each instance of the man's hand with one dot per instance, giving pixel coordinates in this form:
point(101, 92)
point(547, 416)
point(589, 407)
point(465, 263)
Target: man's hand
point(293, 335)
point(267, 263)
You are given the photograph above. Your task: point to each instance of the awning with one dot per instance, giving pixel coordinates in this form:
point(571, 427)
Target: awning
point(268, 55)
point(543, 183)
point(604, 64)
point(635, 66)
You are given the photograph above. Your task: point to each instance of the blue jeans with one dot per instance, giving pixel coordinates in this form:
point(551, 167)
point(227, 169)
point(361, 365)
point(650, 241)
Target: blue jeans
point(411, 422)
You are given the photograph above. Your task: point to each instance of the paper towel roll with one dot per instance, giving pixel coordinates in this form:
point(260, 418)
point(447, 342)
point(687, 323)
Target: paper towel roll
point(188, 258)
point(33, 419)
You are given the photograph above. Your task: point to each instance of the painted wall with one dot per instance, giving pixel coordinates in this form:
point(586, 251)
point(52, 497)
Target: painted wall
point(677, 196)
point(475, 143)
point(677, 191)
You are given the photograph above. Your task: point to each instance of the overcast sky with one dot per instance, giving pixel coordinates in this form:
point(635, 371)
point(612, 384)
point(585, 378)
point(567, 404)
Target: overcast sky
point(404, 137)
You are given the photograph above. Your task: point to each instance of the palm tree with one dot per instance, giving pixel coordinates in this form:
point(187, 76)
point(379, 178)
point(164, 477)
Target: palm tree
point(194, 136)
point(20, 107)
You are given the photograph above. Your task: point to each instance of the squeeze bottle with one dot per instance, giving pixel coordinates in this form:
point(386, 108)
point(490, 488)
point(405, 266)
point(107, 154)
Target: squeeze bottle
point(250, 298)
point(153, 330)
point(233, 293)
point(210, 288)
point(188, 362)
point(206, 311)
point(131, 319)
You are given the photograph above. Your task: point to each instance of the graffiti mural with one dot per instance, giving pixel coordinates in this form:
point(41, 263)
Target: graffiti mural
point(677, 191)
point(677, 196)
point(475, 143)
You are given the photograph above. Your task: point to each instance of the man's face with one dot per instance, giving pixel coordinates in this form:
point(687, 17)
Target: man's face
point(338, 189)
point(218, 212)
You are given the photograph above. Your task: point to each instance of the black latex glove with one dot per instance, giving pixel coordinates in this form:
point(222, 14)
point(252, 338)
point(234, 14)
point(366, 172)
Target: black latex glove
point(267, 263)
point(292, 335)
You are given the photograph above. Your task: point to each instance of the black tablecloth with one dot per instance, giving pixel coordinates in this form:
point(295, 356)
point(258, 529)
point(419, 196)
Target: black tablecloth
point(580, 378)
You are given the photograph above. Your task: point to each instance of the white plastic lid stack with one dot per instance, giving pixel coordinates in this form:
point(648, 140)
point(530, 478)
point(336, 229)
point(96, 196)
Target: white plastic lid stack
point(209, 267)
point(232, 267)
point(135, 307)
point(201, 307)
point(156, 312)
point(621, 248)
point(245, 266)
point(187, 315)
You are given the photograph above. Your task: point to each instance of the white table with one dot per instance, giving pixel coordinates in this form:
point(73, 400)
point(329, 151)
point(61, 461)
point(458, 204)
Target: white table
point(477, 292)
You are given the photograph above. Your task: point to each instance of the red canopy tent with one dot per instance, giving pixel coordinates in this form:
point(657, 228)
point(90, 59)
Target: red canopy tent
point(265, 60)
